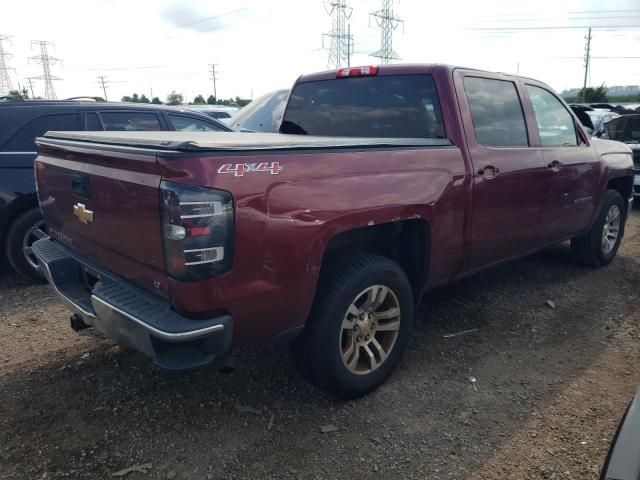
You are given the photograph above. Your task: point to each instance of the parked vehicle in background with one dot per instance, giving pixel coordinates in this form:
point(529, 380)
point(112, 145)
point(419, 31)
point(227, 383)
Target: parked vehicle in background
point(263, 114)
point(219, 112)
point(623, 459)
point(627, 129)
point(315, 239)
point(582, 112)
point(21, 121)
point(599, 118)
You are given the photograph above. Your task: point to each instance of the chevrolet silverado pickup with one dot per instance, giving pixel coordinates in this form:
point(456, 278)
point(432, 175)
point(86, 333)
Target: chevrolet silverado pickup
point(383, 183)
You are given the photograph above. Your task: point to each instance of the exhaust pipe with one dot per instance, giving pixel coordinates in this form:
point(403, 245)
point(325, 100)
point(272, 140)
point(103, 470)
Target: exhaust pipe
point(227, 365)
point(77, 323)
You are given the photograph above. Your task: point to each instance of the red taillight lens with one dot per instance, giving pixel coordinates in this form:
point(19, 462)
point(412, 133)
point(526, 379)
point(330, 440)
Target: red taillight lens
point(357, 72)
point(197, 231)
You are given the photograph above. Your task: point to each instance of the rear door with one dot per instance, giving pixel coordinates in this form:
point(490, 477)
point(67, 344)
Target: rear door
point(573, 168)
point(509, 177)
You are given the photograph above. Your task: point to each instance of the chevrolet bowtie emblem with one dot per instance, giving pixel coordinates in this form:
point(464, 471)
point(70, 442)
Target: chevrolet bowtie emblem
point(84, 215)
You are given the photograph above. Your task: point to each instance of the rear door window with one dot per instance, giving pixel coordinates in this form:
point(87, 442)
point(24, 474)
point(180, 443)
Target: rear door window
point(24, 139)
point(93, 122)
point(555, 123)
point(184, 123)
point(130, 121)
point(392, 106)
point(496, 112)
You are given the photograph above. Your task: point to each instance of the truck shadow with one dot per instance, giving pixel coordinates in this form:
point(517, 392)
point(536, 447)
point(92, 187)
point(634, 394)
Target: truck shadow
point(114, 403)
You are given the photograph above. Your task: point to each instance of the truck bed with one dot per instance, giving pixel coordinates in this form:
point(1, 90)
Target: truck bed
point(234, 142)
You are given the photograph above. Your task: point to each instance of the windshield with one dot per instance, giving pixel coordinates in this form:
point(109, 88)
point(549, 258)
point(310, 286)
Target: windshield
point(394, 106)
point(263, 114)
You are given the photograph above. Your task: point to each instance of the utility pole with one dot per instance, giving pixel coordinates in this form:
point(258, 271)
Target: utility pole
point(46, 61)
point(213, 77)
point(388, 22)
point(587, 57)
point(340, 35)
point(29, 79)
point(104, 87)
point(5, 79)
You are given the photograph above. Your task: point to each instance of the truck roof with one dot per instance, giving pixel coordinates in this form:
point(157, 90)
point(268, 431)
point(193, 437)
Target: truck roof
point(229, 141)
point(404, 69)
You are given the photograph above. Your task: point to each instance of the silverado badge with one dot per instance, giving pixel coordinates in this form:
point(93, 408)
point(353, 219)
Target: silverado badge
point(84, 215)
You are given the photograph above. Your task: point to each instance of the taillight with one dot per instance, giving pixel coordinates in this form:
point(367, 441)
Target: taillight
point(357, 72)
point(197, 231)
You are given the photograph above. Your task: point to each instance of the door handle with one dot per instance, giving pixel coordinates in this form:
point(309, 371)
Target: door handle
point(555, 165)
point(488, 172)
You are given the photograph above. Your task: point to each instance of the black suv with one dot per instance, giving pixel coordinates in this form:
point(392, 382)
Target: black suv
point(21, 121)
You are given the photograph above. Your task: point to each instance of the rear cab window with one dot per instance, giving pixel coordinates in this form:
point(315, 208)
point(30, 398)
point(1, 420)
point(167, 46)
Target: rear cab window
point(130, 121)
point(24, 139)
point(386, 106)
point(496, 112)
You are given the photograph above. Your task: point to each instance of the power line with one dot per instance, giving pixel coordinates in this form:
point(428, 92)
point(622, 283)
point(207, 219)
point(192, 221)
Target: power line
point(46, 61)
point(341, 40)
point(387, 22)
point(213, 77)
point(5, 79)
point(565, 27)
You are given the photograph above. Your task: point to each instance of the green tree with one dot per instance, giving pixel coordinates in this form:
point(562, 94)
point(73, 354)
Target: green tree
point(211, 100)
point(135, 98)
point(199, 100)
point(175, 98)
point(18, 93)
point(144, 99)
point(156, 101)
point(593, 95)
point(126, 98)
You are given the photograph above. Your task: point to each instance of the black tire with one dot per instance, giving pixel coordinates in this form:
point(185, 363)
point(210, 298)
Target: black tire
point(588, 248)
point(316, 352)
point(16, 233)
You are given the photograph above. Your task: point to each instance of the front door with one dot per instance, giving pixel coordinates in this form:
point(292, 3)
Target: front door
point(573, 168)
point(509, 175)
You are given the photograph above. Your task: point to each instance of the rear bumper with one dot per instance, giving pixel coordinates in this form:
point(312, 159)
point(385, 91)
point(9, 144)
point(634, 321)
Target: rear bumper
point(129, 316)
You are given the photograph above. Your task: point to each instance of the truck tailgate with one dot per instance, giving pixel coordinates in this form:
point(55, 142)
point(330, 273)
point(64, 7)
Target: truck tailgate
point(104, 203)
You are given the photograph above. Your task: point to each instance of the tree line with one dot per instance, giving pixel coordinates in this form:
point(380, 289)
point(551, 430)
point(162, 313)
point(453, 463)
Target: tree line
point(175, 98)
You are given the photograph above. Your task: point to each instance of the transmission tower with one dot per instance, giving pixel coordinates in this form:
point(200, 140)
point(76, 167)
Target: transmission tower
point(341, 40)
point(5, 79)
point(46, 61)
point(388, 22)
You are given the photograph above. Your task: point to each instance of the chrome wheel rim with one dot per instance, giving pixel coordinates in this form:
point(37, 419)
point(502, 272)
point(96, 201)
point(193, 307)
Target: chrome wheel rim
point(370, 328)
point(611, 229)
point(33, 234)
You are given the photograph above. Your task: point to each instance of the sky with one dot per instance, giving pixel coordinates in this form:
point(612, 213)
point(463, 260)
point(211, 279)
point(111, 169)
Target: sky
point(154, 47)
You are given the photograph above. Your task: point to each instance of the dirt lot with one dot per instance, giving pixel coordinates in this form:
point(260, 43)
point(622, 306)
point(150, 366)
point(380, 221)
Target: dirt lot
point(552, 384)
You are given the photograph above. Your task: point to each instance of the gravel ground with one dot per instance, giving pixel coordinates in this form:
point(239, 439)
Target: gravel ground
point(552, 384)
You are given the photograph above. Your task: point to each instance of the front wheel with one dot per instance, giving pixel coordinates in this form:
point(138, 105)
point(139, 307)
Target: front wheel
point(359, 326)
point(600, 244)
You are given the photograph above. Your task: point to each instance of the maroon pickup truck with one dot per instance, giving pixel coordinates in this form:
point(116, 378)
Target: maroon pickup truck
point(383, 183)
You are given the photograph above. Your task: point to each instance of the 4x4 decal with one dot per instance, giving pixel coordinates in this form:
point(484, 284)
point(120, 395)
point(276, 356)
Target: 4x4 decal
point(239, 169)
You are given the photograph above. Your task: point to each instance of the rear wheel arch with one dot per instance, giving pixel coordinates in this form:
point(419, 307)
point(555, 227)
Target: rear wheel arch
point(406, 241)
point(15, 209)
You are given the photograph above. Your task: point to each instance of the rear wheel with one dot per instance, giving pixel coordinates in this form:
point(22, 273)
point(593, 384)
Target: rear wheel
point(359, 326)
point(600, 244)
point(20, 237)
